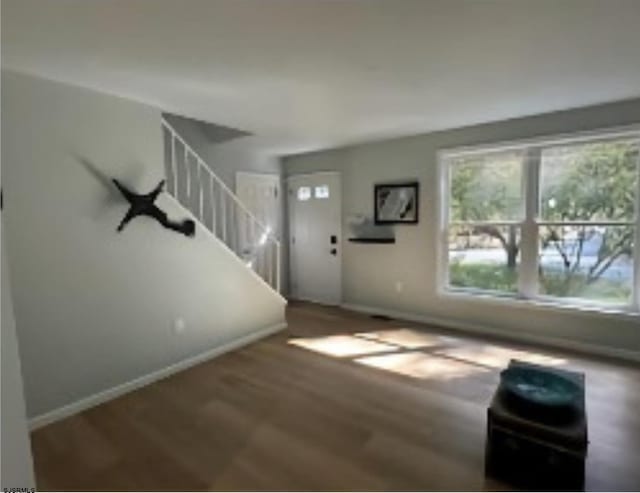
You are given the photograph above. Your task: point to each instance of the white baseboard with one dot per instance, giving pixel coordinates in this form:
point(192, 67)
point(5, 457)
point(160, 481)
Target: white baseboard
point(576, 346)
point(113, 392)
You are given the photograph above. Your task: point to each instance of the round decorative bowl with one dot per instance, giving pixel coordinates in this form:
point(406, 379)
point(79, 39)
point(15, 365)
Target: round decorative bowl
point(539, 387)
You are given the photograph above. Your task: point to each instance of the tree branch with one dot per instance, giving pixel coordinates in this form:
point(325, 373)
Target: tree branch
point(604, 262)
point(556, 243)
point(581, 239)
point(494, 232)
point(593, 277)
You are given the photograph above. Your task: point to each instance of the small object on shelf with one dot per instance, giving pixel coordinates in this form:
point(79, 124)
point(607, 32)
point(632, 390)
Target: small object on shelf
point(372, 240)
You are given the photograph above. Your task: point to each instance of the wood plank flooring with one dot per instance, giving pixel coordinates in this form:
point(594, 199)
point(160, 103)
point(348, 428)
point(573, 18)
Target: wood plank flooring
point(338, 401)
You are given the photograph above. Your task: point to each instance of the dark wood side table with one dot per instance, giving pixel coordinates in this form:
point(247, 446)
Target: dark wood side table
point(534, 449)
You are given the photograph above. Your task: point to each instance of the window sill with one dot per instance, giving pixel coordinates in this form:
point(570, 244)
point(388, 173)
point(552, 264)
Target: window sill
point(541, 304)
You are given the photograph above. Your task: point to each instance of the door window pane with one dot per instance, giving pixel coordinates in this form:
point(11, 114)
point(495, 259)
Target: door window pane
point(484, 257)
point(589, 182)
point(487, 187)
point(304, 193)
point(589, 262)
point(322, 192)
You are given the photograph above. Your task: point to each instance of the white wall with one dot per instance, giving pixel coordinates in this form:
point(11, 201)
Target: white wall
point(16, 463)
point(413, 261)
point(95, 308)
point(242, 154)
point(191, 131)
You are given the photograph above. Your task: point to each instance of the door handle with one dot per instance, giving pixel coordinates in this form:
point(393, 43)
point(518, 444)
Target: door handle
point(334, 251)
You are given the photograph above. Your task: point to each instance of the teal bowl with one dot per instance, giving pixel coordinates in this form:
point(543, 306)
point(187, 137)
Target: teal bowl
point(540, 387)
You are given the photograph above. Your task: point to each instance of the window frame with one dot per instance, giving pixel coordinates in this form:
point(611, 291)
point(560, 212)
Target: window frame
point(527, 292)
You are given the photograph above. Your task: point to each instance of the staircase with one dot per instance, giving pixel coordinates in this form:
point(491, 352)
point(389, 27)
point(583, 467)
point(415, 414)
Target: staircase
point(192, 183)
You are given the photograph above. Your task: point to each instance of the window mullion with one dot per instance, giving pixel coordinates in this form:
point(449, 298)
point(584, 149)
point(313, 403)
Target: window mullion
point(528, 276)
point(444, 182)
point(636, 243)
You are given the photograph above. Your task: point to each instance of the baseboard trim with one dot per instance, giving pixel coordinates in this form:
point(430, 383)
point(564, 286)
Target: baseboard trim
point(118, 390)
point(574, 346)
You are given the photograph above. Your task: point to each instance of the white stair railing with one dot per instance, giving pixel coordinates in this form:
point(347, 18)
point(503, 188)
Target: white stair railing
point(195, 186)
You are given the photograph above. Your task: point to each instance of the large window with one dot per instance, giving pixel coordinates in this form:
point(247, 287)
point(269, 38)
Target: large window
point(555, 219)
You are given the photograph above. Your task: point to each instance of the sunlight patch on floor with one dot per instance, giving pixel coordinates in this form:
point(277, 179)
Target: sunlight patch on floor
point(406, 338)
point(419, 355)
point(498, 357)
point(420, 365)
point(342, 345)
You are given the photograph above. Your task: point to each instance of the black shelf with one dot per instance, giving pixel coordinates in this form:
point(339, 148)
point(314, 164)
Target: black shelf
point(372, 240)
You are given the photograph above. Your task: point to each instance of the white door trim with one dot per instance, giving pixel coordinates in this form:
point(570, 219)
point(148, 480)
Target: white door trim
point(256, 173)
point(315, 173)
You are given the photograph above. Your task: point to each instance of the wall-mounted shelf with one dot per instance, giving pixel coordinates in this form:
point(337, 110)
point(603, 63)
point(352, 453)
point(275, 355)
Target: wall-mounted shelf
point(372, 240)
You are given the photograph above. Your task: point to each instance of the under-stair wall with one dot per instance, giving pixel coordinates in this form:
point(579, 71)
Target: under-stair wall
point(99, 312)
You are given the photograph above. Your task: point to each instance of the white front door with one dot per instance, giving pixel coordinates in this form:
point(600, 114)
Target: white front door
point(315, 237)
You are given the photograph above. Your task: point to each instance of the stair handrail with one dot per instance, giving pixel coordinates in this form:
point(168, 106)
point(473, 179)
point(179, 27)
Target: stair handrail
point(219, 181)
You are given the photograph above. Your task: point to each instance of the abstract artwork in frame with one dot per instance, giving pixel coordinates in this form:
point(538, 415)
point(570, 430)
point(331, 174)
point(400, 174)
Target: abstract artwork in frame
point(396, 203)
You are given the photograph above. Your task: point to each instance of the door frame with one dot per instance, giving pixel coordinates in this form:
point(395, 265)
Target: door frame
point(290, 246)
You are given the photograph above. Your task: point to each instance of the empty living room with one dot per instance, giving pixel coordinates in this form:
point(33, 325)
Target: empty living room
point(320, 245)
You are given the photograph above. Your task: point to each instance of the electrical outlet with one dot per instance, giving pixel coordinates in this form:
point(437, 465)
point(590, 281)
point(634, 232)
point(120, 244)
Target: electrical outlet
point(179, 326)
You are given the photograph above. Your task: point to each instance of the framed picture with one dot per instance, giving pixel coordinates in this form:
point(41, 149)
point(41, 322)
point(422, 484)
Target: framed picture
point(396, 203)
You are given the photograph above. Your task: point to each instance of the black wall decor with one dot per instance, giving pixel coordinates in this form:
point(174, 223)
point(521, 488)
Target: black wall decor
point(144, 205)
point(396, 203)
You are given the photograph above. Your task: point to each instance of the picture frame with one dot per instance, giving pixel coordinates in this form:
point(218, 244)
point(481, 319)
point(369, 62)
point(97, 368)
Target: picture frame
point(396, 203)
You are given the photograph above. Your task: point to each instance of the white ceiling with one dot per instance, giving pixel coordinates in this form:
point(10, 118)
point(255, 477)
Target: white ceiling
point(309, 74)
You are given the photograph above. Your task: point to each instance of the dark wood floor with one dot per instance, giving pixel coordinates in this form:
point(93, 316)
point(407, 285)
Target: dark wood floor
point(339, 401)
